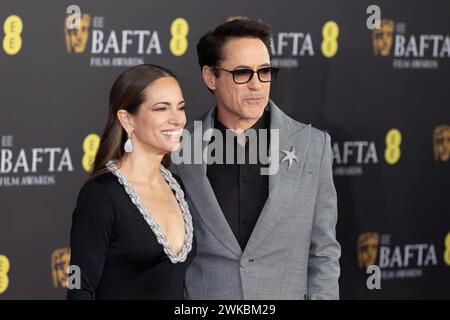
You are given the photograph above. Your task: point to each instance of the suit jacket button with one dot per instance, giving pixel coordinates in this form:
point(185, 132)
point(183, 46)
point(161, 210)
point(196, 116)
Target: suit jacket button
point(244, 262)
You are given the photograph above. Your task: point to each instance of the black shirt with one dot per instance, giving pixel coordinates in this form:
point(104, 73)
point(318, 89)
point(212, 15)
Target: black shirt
point(116, 250)
point(240, 189)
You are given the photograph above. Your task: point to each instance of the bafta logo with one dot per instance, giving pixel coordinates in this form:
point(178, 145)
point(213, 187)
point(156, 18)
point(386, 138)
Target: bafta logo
point(76, 39)
point(367, 249)
point(383, 38)
point(441, 139)
point(60, 261)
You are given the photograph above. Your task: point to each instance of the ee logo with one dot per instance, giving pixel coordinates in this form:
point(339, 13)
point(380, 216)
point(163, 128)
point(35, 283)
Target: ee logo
point(179, 31)
point(4, 269)
point(447, 250)
point(90, 146)
point(392, 152)
point(330, 33)
point(12, 41)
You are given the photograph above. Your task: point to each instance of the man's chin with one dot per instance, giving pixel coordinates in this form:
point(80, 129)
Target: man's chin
point(254, 112)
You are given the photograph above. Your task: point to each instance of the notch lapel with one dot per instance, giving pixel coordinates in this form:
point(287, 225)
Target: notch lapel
point(283, 184)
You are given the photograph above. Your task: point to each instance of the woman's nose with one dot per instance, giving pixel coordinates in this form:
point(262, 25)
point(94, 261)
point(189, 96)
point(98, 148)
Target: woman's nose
point(176, 117)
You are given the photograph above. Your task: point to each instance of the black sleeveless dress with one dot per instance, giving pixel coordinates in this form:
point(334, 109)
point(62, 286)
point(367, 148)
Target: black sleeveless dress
point(118, 248)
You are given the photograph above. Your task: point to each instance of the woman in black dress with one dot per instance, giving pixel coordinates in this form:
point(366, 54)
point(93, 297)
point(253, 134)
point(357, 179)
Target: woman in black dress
point(132, 233)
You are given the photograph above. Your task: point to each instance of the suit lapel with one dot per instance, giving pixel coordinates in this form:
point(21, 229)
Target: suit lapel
point(283, 184)
point(202, 194)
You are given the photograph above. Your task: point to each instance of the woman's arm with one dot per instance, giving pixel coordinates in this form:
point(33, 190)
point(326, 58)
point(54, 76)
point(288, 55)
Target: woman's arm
point(92, 225)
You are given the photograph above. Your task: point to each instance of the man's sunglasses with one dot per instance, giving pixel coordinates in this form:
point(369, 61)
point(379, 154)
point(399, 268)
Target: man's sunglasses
point(241, 76)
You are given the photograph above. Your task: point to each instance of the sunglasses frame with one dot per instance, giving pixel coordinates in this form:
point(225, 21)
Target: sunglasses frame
point(273, 73)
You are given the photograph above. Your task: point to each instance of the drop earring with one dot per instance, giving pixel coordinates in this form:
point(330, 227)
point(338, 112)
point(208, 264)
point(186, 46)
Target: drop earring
point(128, 147)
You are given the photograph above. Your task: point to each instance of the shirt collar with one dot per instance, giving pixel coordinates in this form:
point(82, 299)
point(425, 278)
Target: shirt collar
point(262, 123)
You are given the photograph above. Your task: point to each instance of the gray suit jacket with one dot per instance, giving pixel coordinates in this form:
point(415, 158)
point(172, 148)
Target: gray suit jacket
point(292, 252)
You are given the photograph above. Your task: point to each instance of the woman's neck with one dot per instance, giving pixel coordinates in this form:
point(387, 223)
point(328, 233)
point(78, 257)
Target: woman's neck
point(142, 167)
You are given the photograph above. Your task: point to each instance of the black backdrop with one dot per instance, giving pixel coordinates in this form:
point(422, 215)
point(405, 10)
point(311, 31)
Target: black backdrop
point(387, 112)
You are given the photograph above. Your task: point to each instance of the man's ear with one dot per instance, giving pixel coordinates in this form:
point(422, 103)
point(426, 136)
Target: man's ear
point(125, 120)
point(209, 77)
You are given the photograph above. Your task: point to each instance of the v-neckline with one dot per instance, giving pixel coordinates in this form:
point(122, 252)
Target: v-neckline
point(155, 227)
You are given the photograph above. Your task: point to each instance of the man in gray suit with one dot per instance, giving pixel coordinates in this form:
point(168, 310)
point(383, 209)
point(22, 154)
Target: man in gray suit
point(262, 232)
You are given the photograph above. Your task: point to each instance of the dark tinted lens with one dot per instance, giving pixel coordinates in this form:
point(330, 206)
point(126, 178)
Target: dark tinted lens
point(242, 75)
point(265, 74)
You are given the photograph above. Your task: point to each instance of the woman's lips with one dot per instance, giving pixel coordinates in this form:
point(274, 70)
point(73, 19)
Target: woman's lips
point(173, 134)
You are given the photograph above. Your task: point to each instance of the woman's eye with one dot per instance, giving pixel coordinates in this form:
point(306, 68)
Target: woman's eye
point(181, 108)
point(160, 109)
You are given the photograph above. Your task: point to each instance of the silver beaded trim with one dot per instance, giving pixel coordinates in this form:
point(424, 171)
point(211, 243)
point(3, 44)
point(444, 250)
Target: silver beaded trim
point(179, 195)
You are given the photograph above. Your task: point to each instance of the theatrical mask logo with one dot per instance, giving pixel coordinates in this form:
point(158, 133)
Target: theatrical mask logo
point(441, 139)
point(59, 263)
point(76, 39)
point(367, 249)
point(383, 38)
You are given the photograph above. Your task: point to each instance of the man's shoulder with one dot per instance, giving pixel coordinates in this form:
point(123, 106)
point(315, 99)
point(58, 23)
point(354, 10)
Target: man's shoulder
point(319, 136)
point(319, 141)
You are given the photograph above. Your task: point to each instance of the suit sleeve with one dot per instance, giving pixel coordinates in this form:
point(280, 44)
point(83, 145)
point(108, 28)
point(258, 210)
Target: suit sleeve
point(325, 251)
point(92, 224)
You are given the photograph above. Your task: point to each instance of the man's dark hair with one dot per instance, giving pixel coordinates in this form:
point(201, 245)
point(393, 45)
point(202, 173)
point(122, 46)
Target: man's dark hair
point(209, 47)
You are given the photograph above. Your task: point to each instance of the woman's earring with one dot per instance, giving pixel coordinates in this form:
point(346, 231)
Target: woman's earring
point(128, 147)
